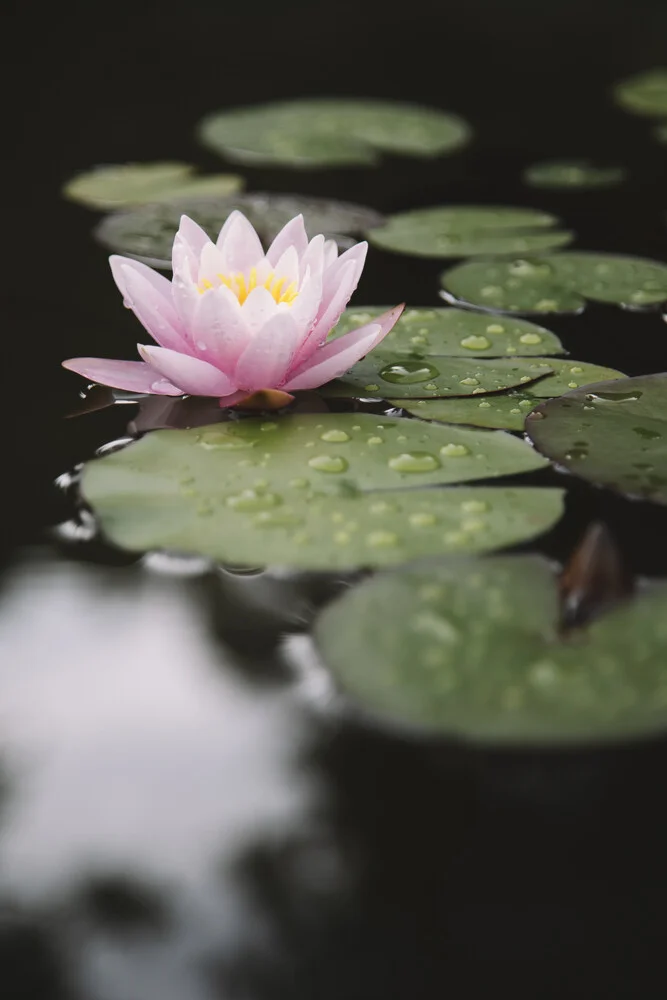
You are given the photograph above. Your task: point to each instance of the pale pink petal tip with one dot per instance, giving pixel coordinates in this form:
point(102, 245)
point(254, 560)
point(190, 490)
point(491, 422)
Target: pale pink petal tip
point(134, 376)
point(337, 356)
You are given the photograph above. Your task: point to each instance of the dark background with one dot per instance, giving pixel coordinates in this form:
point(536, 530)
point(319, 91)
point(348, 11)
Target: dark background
point(532, 874)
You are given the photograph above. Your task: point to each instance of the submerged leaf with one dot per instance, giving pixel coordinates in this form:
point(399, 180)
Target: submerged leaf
point(147, 233)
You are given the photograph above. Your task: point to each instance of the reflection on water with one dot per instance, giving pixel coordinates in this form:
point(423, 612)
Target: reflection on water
point(137, 767)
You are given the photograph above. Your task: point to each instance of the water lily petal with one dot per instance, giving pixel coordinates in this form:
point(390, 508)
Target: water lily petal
point(306, 305)
point(192, 235)
point(287, 267)
point(185, 293)
point(266, 360)
point(259, 308)
point(119, 268)
point(149, 303)
point(219, 329)
point(239, 244)
point(192, 375)
point(314, 256)
point(336, 357)
point(330, 252)
point(355, 255)
point(293, 234)
point(211, 264)
point(134, 376)
point(327, 320)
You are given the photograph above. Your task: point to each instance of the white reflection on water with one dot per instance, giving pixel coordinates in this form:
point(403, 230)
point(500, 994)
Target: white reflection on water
point(129, 750)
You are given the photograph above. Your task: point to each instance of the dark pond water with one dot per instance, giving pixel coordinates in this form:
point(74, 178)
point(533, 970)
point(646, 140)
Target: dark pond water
point(175, 823)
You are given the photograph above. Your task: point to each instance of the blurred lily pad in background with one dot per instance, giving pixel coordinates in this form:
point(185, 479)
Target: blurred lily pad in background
point(147, 233)
point(572, 175)
point(327, 132)
point(557, 282)
point(464, 230)
point(112, 186)
point(471, 648)
point(645, 93)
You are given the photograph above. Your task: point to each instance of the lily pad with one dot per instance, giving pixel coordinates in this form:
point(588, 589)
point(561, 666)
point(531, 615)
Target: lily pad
point(428, 333)
point(147, 233)
point(330, 133)
point(381, 374)
point(644, 94)
point(300, 491)
point(138, 183)
point(471, 649)
point(566, 375)
point(556, 283)
point(572, 174)
point(506, 410)
point(612, 433)
point(463, 230)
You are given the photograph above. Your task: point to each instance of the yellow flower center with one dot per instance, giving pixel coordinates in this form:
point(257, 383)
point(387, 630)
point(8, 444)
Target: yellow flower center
point(241, 288)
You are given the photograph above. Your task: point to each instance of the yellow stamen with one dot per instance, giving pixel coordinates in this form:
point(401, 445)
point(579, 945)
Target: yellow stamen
point(237, 283)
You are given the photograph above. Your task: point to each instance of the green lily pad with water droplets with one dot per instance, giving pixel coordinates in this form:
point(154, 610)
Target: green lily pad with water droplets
point(470, 648)
point(556, 282)
point(330, 133)
point(380, 375)
point(612, 433)
point(572, 175)
point(138, 183)
point(147, 233)
point(464, 230)
point(502, 410)
point(566, 375)
point(644, 94)
point(303, 491)
point(451, 332)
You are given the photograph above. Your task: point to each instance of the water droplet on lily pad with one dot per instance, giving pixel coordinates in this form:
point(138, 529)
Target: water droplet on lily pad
point(415, 461)
point(328, 463)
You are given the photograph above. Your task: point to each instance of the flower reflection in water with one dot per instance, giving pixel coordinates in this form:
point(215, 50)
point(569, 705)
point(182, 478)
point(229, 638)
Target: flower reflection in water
point(137, 766)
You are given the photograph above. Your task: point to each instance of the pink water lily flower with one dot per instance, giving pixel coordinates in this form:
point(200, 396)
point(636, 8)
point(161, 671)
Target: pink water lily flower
point(235, 320)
